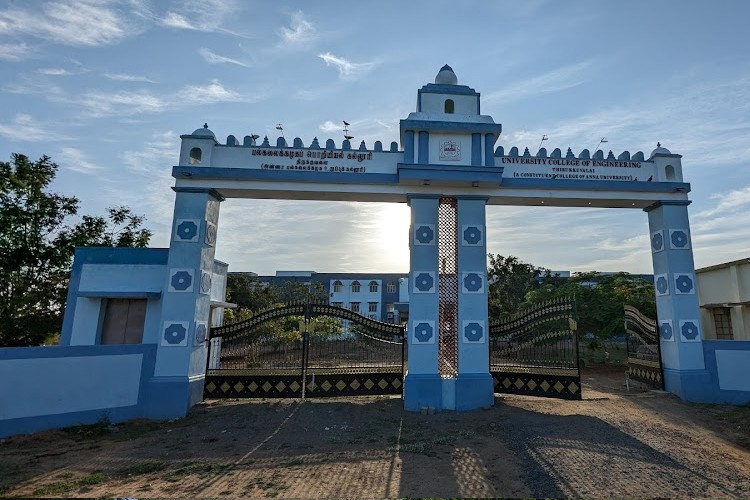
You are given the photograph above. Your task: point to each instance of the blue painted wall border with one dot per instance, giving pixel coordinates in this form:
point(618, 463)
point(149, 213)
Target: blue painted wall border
point(645, 187)
point(26, 425)
point(102, 255)
point(709, 350)
point(245, 174)
point(461, 127)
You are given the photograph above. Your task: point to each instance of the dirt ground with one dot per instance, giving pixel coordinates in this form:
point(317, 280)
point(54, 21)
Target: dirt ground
point(611, 444)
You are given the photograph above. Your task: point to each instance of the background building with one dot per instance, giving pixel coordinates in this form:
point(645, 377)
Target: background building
point(724, 298)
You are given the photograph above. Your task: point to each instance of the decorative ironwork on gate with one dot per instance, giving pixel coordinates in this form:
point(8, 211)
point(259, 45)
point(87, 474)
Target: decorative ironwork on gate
point(535, 352)
point(448, 287)
point(644, 351)
point(259, 359)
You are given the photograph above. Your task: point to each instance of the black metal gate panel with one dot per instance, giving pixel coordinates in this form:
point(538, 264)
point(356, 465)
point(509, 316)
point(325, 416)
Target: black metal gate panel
point(260, 360)
point(256, 361)
point(644, 351)
point(535, 352)
point(367, 360)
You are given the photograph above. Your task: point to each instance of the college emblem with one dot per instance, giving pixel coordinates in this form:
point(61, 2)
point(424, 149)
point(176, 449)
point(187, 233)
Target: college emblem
point(450, 150)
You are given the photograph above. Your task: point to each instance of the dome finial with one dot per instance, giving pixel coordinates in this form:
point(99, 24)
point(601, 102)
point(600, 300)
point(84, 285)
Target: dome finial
point(446, 76)
point(658, 144)
point(205, 125)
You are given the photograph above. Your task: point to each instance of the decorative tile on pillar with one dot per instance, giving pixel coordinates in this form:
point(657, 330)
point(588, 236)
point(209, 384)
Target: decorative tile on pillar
point(423, 332)
point(472, 235)
point(210, 234)
point(181, 280)
point(205, 283)
point(174, 334)
point(473, 332)
point(657, 241)
point(684, 284)
point(201, 332)
point(666, 330)
point(472, 282)
point(661, 284)
point(186, 230)
point(679, 239)
point(424, 282)
point(690, 330)
point(424, 234)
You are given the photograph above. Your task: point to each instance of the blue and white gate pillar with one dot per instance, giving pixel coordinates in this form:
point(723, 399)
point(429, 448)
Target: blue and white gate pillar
point(677, 301)
point(474, 386)
point(423, 384)
point(181, 353)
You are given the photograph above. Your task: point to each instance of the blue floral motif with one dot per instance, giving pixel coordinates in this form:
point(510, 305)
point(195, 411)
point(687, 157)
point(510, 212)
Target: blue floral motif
point(424, 282)
point(187, 230)
point(679, 239)
point(689, 330)
point(665, 330)
point(175, 334)
point(684, 283)
point(473, 282)
point(423, 332)
point(472, 235)
point(661, 285)
point(657, 241)
point(200, 333)
point(424, 234)
point(181, 281)
point(473, 331)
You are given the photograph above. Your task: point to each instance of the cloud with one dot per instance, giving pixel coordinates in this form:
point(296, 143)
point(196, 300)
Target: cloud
point(347, 70)
point(300, 31)
point(124, 77)
point(328, 126)
point(54, 71)
point(213, 58)
point(200, 15)
point(77, 161)
point(561, 78)
point(78, 23)
point(24, 128)
point(209, 94)
point(99, 104)
point(14, 51)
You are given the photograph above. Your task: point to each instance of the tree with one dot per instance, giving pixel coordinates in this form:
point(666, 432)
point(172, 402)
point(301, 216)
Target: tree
point(37, 244)
point(600, 300)
point(510, 280)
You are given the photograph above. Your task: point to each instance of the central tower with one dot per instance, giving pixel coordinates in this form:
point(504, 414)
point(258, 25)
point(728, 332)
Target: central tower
point(447, 145)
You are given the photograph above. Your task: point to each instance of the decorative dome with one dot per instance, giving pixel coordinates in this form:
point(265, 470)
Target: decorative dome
point(446, 76)
point(204, 131)
point(660, 150)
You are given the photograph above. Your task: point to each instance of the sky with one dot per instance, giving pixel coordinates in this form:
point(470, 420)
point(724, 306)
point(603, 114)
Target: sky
point(106, 87)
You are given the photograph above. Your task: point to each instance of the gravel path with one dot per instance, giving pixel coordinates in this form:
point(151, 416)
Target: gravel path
point(612, 444)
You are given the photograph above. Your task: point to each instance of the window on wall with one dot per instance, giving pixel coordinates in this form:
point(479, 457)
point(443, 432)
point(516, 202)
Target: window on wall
point(337, 304)
point(372, 307)
point(195, 156)
point(354, 307)
point(723, 323)
point(391, 287)
point(338, 286)
point(373, 286)
point(449, 106)
point(355, 286)
point(123, 321)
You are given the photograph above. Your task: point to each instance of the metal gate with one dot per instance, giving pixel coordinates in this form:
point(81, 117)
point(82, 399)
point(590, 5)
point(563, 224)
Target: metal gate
point(644, 351)
point(535, 352)
point(259, 359)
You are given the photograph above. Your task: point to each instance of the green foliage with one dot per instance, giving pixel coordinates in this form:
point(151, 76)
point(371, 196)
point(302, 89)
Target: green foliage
point(515, 285)
point(509, 281)
point(37, 244)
